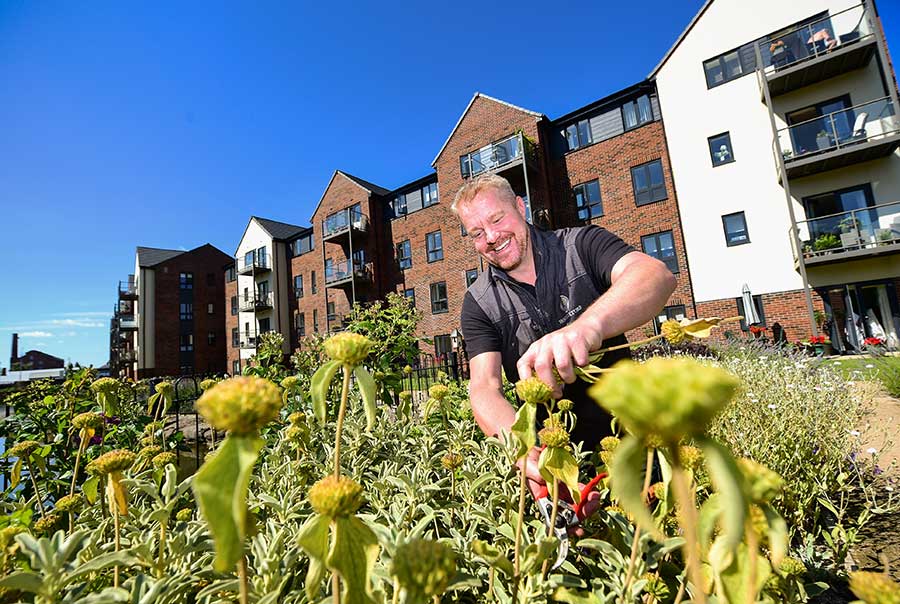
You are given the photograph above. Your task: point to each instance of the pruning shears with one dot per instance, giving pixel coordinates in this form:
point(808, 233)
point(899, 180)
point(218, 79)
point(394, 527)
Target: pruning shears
point(568, 516)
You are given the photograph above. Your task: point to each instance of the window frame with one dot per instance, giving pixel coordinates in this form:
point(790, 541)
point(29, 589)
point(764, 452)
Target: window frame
point(436, 254)
point(296, 247)
point(313, 286)
point(579, 208)
point(709, 145)
point(664, 259)
point(432, 190)
point(580, 130)
point(728, 240)
point(650, 187)
point(186, 281)
point(234, 306)
point(300, 324)
point(186, 345)
point(670, 312)
point(410, 293)
point(635, 106)
point(235, 337)
point(719, 60)
point(298, 289)
point(211, 338)
point(404, 262)
point(469, 273)
point(438, 302)
point(186, 311)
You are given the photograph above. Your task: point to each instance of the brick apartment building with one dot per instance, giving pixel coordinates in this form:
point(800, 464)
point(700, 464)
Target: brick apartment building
point(170, 316)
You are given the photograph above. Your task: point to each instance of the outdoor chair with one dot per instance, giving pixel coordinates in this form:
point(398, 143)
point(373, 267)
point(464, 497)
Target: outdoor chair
point(858, 134)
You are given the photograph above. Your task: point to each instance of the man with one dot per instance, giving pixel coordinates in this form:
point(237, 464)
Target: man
point(547, 300)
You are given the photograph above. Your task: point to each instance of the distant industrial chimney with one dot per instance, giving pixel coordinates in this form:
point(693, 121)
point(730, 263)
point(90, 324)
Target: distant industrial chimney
point(14, 353)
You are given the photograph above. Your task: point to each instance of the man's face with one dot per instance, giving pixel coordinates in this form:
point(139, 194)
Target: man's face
point(497, 228)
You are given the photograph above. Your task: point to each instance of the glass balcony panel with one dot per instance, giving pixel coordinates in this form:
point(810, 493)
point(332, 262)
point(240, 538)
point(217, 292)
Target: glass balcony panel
point(862, 229)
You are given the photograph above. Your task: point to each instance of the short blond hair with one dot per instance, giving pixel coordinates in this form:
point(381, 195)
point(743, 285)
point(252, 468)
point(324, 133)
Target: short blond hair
point(485, 182)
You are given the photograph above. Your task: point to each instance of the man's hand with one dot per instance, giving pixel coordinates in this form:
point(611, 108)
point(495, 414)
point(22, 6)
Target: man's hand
point(565, 349)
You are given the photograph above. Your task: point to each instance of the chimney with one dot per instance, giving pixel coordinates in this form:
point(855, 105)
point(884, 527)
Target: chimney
point(14, 354)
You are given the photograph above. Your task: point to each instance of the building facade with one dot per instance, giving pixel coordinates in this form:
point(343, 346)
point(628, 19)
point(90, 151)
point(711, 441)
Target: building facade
point(781, 121)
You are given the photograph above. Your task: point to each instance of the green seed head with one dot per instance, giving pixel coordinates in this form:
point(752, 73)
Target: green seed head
point(207, 384)
point(23, 449)
point(564, 405)
point(105, 385)
point(452, 461)
point(8, 533)
point(118, 460)
point(349, 348)
point(69, 503)
point(874, 588)
point(166, 389)
point(406, 396)
point(153, 427)
point(184, 514)
point(656, 587)
point(609, 443)
point(554, 437)
point(761, 483)
point(438, 392)
point(290, 383)
point(424, 568)
point(240, 405)
point(93, 421)
point(673, 332)
point(49, 522)
point(297, 417)
point(606, 457)
point(407, 369)
point(533, 391)
point(792, 567)
point(336, 497)
point(668, 397)
point(297, 433)
point(163, 459)
point(691, 458)
point(149, 452)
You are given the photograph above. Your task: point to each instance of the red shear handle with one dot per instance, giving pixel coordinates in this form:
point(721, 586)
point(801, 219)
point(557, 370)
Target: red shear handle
point(585, 491)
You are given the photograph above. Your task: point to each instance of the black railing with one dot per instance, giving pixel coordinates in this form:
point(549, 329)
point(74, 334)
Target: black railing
point(427, 369)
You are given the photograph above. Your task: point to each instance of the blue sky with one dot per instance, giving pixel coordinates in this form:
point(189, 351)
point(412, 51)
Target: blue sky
point(168, 125)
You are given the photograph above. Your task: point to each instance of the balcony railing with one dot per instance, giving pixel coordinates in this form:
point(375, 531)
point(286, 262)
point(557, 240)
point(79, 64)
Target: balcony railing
point(865, 231)
point(128, 289)
point(247, 339)
point(258, 302)
point(341, 222)
point(245, 267)
point(844, 130)
point(127, 322)
point(495, 155)
point(817, 39)
point(335, 273)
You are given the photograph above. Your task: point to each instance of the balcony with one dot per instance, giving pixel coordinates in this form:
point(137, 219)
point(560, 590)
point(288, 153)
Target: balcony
point(840, 139)
point(128, 289)
point(128, 356)
point(340, 275)
point(497, 156)
point(127, 323)
point(340, 226)
point(814, 52)
point(261, 301)
point(335, 323)
point(862, 233)
point(247, 339)
point(252, 266)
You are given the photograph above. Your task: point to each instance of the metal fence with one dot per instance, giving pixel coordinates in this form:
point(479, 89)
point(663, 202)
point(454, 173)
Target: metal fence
point(425, 370)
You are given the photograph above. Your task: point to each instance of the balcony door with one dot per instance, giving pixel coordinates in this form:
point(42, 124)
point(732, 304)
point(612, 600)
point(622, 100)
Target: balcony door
point(821, 126)
point(833, 212)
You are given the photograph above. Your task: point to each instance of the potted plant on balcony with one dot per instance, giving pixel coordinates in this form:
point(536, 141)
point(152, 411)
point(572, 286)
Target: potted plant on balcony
point(850, 237)
point(821, 345)
point(823, 140)
point(826, 241)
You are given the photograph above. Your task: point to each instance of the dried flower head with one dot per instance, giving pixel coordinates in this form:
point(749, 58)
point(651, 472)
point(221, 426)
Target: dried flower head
point(609, 443)
point(452, 461)
point(240, 405)
point(691, 457)
point(336, 497)
point(8, 533)
point(105, 385)
point(118, 460)
point(761, 483)
point(163, 459)
point(47, 523)
point(657, 490)
point(92, 421)
point(656, 587)
point(438, 392)
point(69, 503)
point(23, 449)
point(297, 433)
point(554, 437)
point(297, 417)
point(792, 567)
point(207, 384)
point(673, 332)
point(407, 369)
point(874, 588)
point(150, 451)
point(564, 405)
point(406, 396)
point(533, 390)
point(424, 568)
point(349, 348)
point(606, 457)
point(291, 382)
point(184, 514)
point(668, 397)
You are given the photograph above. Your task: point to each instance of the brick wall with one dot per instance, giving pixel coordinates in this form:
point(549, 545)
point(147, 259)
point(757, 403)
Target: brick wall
point(232, 353)
point(788, 308)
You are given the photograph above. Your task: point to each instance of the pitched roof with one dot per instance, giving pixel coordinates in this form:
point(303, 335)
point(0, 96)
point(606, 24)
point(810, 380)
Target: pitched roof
point(469, 106)
point(680, 38)
point(367, 186)
point(279, 230)
point(151, 256)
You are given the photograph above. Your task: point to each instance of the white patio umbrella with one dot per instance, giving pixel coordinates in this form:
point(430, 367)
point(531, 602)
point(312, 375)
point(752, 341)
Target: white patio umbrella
point(750, 314)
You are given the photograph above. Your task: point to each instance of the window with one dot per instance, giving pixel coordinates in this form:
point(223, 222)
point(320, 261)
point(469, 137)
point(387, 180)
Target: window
point(331, 315)
point(186, 341)
point(398, 205)
point(210, 279)
point(210, 309)
point(304, 244)
point(648, 183)
point(186, 311)
point(637, 113)
point(462, 230)
point(298, 286)
point(435, 246)
point(262, 291)
point(662, 247)
point(265, 325)
point(211, 338)
point(315, 320)
point(300, 324)
point(735, 226)
point(471, 275)
point(404, 255)
point(760, 311)
point(429, 195)
point(439, 297)
point(236, 367)
point(186, 280)
point(230, 274)
point(578, 134)
point(669, 312)
point(261, 257)
point(731, 65)
point(312, 282)
point(234, 305)
point(587, 200)
point(442, 348)
point(411, 294)
point(720, 151)
point(235, 337)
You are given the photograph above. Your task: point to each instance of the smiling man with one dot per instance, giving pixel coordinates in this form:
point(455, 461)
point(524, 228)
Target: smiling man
point(547, 300)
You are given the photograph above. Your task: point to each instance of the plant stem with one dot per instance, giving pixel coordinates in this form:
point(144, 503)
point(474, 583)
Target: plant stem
point(244, 593)
point(688, 510)
point(116, 528)
point(81, 448)
point(519, 522)
point(345, 389)
point(555, 494)
point(395, 598)
point(162, 547)
point(680, 595)
point(335, 588)
point(752, 551)
point(648, 470)
point(37, 493)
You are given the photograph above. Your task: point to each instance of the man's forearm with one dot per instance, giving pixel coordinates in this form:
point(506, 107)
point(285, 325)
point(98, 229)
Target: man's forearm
point(492, 411)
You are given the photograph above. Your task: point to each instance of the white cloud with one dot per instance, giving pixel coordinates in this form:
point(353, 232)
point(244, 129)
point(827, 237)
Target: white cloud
point(92, 313)
point(81, 322)
point(36, 334)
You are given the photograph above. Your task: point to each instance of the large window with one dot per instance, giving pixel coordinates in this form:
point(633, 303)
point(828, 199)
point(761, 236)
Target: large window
point(186, 280)
point(186, 342)
point(315, 320)
point(649, 185)
point(637, 113)
point(439, 297)
point(411, 201)
point(443, 346)
point(587, 200)
point(662, 247)
point(236, 367)
point(398, 205)
point(300, 324)
point(186, 311)
point(471, 276)
point(429, 195)
point(411, 295)
point(435, 246)
point(234, 305)
point(675, 312)
point(298, 286)
point(304, 244)
point(735, 226)
point(230, 274)
point(578, 134)
point(730, 65)
point(404, 255)
point(720, 150)
point(235, 337)
point(312, 282)
point(265, 325)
